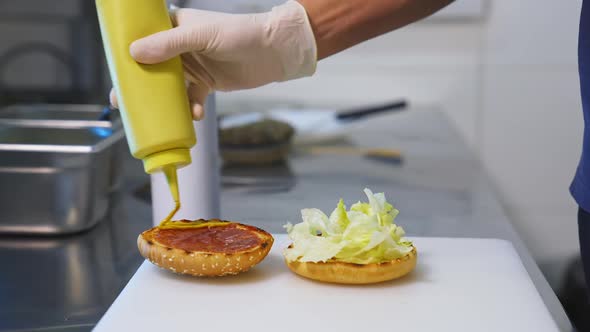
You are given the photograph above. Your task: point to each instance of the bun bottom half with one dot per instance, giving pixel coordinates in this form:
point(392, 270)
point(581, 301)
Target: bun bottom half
point(350, 273)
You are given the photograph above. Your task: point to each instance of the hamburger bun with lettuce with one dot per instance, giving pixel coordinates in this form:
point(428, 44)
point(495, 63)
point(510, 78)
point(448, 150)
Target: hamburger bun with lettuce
point(360, 246)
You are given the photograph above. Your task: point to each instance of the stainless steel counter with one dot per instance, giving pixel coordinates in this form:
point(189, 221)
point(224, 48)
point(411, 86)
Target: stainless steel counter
point(440, 188)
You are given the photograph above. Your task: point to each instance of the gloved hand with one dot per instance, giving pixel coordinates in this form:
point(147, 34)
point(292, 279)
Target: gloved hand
point(228, 52)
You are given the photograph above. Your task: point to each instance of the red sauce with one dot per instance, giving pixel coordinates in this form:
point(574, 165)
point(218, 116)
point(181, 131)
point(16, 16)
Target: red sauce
point(225, 239)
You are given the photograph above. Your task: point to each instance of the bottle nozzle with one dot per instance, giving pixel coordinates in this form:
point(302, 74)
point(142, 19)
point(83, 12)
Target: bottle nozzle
point(172, 179)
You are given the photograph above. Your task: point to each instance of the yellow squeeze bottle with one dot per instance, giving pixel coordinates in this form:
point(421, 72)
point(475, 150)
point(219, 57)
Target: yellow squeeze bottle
point(152, 98)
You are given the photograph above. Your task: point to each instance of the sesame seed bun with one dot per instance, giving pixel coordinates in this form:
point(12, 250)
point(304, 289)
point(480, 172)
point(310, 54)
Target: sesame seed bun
point(334, 271)
point(213, 248)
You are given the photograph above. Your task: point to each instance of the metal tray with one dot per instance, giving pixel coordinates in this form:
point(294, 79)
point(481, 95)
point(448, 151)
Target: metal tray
point(60, 116)
point(71, 116)
point(54, 180)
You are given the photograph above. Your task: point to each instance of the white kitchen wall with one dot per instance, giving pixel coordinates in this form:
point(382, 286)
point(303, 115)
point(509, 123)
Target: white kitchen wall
point(532, 120)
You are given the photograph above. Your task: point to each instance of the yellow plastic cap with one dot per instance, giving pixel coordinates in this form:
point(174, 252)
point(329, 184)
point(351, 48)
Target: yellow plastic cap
point(157, 161)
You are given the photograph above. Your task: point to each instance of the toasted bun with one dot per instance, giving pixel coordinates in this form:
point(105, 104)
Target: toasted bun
point(214, 248)
point(348, 273)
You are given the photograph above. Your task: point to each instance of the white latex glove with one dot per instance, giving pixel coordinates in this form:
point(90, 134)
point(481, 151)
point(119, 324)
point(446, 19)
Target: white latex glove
point(228, 52)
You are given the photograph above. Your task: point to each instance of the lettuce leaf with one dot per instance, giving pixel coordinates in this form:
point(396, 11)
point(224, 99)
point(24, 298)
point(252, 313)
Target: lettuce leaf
point(364, 234)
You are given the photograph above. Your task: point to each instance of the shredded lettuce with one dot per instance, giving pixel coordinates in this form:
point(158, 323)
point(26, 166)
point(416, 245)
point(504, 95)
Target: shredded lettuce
point(364, 234)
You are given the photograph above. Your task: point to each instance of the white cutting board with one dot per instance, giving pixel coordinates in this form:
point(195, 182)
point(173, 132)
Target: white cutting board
point(458, 285)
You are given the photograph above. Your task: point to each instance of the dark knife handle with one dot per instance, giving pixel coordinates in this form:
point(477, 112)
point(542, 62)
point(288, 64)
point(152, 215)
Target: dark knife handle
point(366, 111)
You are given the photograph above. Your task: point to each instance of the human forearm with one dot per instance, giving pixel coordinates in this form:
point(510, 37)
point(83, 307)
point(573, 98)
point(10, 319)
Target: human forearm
point(339, 24)
point(227, 52)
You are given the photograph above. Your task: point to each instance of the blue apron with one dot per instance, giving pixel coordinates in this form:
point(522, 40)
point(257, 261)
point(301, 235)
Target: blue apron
point(580, 187)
